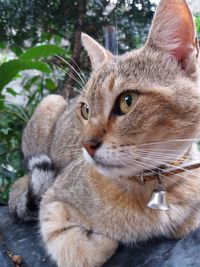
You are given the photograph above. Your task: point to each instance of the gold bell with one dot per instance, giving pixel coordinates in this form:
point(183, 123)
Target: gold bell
point(158, 199)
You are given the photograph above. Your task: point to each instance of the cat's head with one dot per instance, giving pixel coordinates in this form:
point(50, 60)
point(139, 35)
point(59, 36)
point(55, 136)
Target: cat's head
point(142, 109)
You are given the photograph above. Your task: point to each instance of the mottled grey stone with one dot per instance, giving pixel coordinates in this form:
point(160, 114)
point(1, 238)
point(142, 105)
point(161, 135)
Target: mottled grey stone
point(4, 259)
point(160, 253)
point(24, 240)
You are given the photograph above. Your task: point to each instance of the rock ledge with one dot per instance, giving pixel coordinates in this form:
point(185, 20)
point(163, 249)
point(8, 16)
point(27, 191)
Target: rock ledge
point(23, 240)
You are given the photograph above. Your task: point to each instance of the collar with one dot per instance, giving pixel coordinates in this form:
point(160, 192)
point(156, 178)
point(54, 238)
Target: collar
point(176, 167)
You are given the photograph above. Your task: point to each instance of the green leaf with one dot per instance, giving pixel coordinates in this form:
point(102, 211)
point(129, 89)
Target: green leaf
point(5, 130)
point(2, 45)
point(10, 69)
point(41, 51)
point(32, 98)
point(17, 50)
point(29, 82)
point(2, 100)
point(197, 20)
point(58, 39)
point(50, 85)
point(11, 91)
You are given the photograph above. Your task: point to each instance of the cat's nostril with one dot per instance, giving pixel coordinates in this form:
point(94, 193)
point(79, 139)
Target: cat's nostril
point(91, 145)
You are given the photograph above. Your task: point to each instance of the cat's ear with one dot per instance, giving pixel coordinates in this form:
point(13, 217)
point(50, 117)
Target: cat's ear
point(96, 52)
point(173, 29)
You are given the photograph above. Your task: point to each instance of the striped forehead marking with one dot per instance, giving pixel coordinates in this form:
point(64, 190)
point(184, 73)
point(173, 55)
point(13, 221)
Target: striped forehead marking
point(111, 83)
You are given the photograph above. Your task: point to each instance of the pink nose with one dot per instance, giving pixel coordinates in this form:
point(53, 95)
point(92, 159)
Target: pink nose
point(91, 145)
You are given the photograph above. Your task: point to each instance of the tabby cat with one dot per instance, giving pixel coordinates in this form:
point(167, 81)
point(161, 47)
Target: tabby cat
point(138, 112)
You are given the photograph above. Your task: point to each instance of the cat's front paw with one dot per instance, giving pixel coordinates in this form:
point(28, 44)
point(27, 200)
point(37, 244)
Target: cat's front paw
point(76, 249)
point(69, 243)
point(18, 200)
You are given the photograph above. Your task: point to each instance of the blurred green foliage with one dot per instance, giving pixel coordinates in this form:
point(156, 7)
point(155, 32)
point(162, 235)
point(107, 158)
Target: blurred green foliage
point(13, 117)
point(197, 20)
point(41, 21)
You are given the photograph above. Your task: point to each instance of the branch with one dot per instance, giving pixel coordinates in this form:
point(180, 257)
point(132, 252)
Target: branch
point(76, 50)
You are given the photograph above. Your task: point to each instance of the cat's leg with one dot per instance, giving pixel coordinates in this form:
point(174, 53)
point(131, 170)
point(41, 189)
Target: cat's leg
point(18, 199)
point(68, 242)
point(26, 193)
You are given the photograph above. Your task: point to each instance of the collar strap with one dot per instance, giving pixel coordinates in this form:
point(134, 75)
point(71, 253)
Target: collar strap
point(154, 175)
point(182, 158)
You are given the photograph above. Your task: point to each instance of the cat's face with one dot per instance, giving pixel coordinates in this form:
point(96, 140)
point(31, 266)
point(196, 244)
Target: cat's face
point(137, 107)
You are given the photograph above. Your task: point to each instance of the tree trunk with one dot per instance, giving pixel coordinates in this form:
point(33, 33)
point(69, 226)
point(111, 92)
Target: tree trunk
point(75, 61)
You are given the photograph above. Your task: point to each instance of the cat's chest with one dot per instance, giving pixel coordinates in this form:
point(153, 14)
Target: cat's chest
point(124, 216)
point(129, 222)
point(127, 218)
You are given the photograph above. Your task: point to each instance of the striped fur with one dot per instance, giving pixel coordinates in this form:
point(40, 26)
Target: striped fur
point(93, 204)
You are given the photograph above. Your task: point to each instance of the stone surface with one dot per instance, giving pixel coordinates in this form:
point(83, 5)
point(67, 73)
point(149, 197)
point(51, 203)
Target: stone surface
point(21, 239)
point(24, 240)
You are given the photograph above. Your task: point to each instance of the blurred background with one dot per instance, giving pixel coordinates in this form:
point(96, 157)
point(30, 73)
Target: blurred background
point(41, 53)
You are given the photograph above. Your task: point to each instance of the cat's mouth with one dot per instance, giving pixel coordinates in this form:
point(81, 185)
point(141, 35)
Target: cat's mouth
point(113, 169)
point(106, 165)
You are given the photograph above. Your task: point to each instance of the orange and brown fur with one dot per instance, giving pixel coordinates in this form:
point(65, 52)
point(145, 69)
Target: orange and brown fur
point(93, 204)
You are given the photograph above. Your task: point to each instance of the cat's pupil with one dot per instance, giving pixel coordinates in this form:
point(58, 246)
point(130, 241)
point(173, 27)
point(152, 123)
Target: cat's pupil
point(128, 100)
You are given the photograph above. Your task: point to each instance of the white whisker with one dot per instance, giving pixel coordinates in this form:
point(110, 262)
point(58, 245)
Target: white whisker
point(157, 153)
point(70, 75)
point(65, 61)
point(171, 141)
point(171, 165)
point(81, 73)
point(72, 165)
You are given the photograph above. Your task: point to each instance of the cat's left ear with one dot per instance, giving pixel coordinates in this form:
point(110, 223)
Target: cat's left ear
point(173, 30)
point(96, 52)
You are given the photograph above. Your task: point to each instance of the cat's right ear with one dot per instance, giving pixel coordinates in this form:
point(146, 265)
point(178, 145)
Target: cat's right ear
point(173, 30)
point(96, 52)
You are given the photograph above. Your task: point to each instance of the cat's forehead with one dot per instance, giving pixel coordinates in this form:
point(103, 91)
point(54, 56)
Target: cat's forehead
point(139, 68)
point(109, 77)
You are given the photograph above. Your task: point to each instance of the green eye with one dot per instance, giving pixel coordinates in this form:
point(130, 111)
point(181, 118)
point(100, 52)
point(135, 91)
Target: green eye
point(126, 102)
point(85, 111)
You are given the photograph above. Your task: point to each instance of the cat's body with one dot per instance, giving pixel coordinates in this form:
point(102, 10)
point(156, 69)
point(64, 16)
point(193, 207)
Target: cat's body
point(95, 203)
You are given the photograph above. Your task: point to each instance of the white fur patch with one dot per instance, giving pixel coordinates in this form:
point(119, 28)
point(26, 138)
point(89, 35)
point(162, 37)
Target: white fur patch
point(41, 180)
point(42, 173)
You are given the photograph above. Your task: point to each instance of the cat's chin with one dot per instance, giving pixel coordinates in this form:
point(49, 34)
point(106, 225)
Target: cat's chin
point(107, 169)
point(113, 172)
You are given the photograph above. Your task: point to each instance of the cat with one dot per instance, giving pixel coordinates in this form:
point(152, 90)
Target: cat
point(139, 111)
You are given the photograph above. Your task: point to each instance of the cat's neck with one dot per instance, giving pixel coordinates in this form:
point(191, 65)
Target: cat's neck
point(184, 165)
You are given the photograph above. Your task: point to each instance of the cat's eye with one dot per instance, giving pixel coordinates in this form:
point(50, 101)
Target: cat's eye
point(85, 111)
point(125, 102)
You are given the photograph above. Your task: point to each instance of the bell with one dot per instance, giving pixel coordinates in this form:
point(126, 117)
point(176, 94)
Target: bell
point(158, 199)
